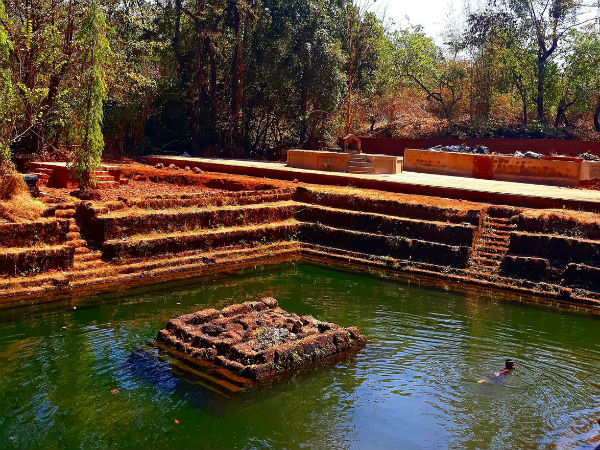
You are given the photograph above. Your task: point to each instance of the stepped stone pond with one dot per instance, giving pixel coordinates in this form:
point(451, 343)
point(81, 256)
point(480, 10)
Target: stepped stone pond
point(85, 375)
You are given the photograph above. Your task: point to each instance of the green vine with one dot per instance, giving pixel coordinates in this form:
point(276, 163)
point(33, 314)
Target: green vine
point(95, 57)
point(6, 94)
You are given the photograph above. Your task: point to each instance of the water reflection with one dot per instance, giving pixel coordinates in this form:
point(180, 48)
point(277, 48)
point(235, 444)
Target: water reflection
point(414, 386)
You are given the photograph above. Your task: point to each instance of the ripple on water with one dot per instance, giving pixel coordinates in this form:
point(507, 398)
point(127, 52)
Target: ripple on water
point(414, 386)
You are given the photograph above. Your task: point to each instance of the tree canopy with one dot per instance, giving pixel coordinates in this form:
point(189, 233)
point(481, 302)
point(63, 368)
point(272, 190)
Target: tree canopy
point(250, 77)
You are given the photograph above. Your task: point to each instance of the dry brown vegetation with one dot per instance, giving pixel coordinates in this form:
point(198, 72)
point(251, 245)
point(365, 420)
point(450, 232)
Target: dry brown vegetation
point(16, 203)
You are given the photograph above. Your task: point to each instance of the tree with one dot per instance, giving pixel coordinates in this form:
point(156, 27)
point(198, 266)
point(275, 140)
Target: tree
point(419, 61)
point(579, 84)
point(6, 93)
point(41, 60)
point(551, 21)
point(495, 36)
point(296, 83)
point(95, 54)
point(137, 73)
point(360, 38)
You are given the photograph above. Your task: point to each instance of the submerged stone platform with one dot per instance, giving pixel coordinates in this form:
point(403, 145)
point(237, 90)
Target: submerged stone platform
point(257, 340)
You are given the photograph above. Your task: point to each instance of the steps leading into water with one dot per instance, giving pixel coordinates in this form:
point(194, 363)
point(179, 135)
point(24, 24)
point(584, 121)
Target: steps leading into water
point(132, 222)
point(150, 245)
point(491, 245)
point(388, 224)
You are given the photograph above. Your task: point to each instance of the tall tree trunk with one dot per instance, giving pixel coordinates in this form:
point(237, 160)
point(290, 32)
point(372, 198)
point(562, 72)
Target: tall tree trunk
point(539, 101)
point(349, 108)
point(195, 93)
point(213, 86)
point(235, 81)
point(303, 123)
point(559, 116)
point(597, 116)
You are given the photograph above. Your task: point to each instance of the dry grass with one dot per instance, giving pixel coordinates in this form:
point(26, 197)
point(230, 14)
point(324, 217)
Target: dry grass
point(548, 215)
point(11, 184)
point(16, 203)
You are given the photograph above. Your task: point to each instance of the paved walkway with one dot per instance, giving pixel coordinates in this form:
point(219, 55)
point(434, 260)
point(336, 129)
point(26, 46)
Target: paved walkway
point(492, 191)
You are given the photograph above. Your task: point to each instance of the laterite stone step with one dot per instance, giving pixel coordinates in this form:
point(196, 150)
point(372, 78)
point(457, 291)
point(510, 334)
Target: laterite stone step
point(107, 184)
point(493, 249)
point(501, 226)
point(495, 239)
point(127, 223)
point(86, 265)
point(64, 213)
point(488, 255)
point(77, 243)
point(87, 257)
point(201, 240)
point(65, 206)
point(100, 178)
point(30, 281)
point(486, 261)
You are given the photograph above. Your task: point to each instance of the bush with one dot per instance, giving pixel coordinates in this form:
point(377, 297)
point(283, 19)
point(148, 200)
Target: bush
point(16, 203)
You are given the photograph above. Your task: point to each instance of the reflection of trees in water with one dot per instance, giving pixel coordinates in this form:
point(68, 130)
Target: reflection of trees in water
point(528, 408)
point(427, 348)
point(293, 419)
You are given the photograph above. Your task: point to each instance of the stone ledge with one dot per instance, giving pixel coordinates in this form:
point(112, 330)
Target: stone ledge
point(257, 340)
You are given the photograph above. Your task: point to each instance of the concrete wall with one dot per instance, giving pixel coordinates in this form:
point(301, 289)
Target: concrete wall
point(554, 172)
point(338, 162)
point(315, 160)
point(505, 168)
point(396, 147)
point(386, 164)
point(456, 164)
point(589, 170)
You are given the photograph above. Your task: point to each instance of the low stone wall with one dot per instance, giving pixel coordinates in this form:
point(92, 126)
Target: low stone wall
point(556, 247)
point(398, 247)
point(408, 209)
point(36, 260)
point(559, 250)
point(397, 146)
point(542, 171)
point(590, 170)
point(441, 232)
point(525, 267)
point(315, 160)
point(255, 340)
point(338, 162)
point(170, 221)
point(496, 167)
point(44, 231)
point(583, 276)
point(153, 245)
point(581, 225)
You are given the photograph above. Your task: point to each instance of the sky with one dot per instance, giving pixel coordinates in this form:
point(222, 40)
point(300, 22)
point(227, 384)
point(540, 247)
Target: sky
point(433, 15)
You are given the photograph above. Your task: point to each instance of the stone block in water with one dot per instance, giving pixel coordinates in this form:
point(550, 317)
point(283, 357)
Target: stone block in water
point(257, 340)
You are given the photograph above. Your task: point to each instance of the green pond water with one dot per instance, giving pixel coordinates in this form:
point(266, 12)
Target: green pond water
point(414, 386)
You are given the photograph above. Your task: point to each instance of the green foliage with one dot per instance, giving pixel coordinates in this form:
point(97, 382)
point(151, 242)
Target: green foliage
point(95, 56)
point(6, 93)
point(243, 77)
point(577, 82)
point(297, 80)
point(420, 63)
